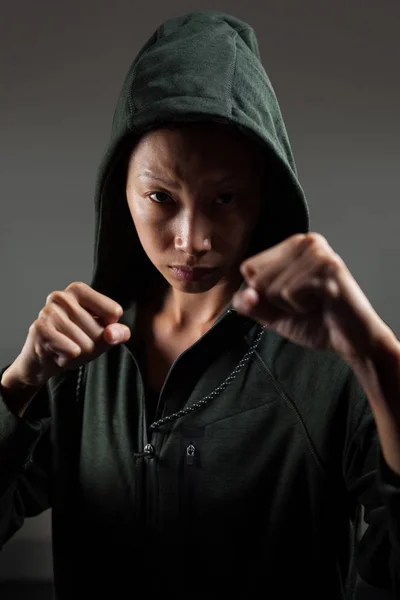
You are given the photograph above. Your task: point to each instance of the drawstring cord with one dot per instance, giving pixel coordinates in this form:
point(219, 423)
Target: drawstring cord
point(197, 405)
point(214, 393)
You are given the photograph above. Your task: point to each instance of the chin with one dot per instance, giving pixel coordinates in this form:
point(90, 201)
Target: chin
point(191, 287)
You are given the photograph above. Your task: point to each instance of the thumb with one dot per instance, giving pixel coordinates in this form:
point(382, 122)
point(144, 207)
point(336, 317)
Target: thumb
point(116, 333)
point(246, 300)
point(251, 303)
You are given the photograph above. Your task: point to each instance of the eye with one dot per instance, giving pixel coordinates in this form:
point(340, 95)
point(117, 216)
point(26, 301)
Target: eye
point(159, 197)
point(225, 199)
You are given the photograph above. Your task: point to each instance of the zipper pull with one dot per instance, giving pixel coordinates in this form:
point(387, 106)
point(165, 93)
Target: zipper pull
point(190, 454)
point(148, 452)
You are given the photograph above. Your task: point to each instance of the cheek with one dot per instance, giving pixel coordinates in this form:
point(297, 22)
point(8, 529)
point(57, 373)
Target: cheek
point(153, 236)
point(153, 233)
point(237, 234)
point(139, 211)
point(235, 228)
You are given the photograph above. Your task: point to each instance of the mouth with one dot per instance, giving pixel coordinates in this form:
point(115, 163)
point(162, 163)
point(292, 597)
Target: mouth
point(185, 273)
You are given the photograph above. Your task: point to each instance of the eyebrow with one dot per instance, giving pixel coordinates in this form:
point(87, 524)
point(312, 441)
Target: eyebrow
point(150, 175)
point(169, 182)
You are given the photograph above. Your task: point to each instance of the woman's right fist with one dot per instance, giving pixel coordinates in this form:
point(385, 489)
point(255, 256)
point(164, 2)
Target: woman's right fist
point(74, 327)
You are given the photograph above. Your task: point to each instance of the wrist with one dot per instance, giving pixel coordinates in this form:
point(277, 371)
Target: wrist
point(17, 393)
point(378, 371)
point(384, 348)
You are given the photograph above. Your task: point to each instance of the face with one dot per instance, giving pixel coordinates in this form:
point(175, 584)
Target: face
point(194, 192)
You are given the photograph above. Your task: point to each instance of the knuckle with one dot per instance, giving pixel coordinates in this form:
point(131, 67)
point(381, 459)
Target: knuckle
point(37, 327)
point(52, 316)
point(55, 296)
point(50, 312)
point(315, 243)
point(33, 327)
point(76, 286)
point(39, 351)
point(333, 264)
point(118, 311)
point(302, 243)
point(43, 332)
point(249, 268)
point(322, 252)
point(59, 303)
point(75, 352)
point(43, 346)
point(285, 292)
point(316, 238)
point(49, 297)
point(320, 255)
point(43, 313)
point(244, 265)
point(299, 239)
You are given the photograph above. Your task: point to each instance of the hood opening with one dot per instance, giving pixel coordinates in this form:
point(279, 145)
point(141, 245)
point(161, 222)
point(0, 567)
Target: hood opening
point(173, 80)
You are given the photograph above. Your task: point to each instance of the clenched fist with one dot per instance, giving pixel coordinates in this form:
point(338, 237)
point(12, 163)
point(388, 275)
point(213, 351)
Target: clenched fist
point(75, 326)
point(304, 291)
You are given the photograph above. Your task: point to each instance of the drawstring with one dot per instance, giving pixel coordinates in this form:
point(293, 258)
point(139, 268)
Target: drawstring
point(214, 393)
point(197, 405)
point(79, 383)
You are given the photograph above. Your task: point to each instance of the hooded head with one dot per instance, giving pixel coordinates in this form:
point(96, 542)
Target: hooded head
point(201, 67)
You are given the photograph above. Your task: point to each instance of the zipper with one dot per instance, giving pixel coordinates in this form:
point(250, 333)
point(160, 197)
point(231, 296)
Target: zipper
point(191, 444)
point(206, 399)
point(144, 481)
point(190, 465)
point(145, 460)
point(227, 312)
point(190, 454)
point(148, 452)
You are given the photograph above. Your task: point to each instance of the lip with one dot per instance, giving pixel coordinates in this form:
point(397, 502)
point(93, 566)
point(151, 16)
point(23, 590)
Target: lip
point(185, 273)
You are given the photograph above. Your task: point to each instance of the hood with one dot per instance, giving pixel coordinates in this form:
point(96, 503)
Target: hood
point(204, 65)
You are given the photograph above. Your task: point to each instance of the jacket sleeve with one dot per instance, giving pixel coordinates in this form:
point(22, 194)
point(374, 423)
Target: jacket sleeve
point(25, 463)
point(375, 486)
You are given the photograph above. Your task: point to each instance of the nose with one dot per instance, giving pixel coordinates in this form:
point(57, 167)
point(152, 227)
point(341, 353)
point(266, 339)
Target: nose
point(193, 234)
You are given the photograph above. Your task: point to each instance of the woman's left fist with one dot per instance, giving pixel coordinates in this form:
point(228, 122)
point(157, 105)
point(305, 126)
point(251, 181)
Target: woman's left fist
point(303, 290)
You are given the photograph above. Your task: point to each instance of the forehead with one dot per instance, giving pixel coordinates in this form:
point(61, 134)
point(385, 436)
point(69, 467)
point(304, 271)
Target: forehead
point(197, 146)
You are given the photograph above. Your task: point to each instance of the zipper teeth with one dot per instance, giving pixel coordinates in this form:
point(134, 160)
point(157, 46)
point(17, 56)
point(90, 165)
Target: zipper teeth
point(214, 393)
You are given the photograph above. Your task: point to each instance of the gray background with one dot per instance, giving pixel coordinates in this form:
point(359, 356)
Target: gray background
point(334, 66)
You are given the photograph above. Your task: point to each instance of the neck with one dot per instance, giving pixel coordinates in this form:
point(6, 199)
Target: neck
point(193, 311)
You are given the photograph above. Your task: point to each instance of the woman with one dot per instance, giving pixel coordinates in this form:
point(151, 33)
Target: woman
point(225, 440)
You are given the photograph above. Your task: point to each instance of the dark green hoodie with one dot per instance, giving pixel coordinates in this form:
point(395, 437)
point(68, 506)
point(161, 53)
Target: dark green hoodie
point(250, 479)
